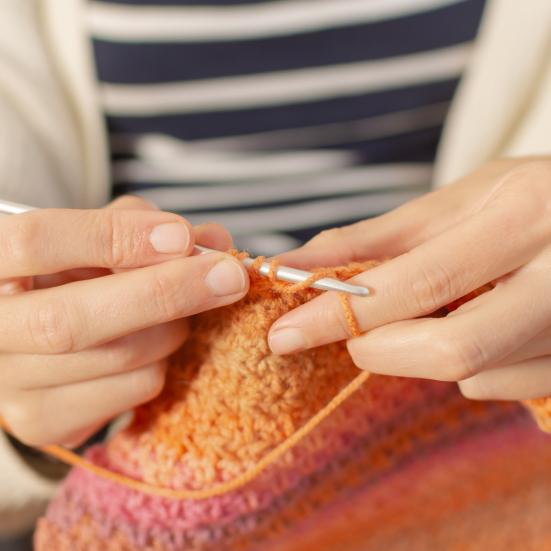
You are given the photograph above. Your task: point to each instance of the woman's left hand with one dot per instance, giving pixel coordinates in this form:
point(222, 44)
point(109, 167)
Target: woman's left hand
point(491, 226)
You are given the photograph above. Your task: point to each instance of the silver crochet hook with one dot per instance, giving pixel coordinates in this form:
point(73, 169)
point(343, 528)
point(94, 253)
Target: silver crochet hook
point(293, 275)
point(283, 273)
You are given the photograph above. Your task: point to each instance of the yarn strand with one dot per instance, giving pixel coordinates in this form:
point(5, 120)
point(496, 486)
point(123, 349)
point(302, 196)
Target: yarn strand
point(270, 458)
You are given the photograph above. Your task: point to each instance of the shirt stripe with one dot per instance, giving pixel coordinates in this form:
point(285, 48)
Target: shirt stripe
point(214, 124)
point(344, 182)
point(284, 87)
point(157, 62)
point(331, 134)
point(324, 213)
point(134, 23)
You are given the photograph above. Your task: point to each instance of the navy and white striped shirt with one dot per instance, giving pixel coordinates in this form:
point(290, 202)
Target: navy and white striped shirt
point(278, 118)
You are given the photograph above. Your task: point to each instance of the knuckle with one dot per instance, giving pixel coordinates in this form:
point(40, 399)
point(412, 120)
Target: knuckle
point(116, 242)
point(332, 318)
point(537, 170)
point(51, 328)
point(163, 297)
point(528, 186)
point(431, 287)
point(461, 359)
point(529, 172)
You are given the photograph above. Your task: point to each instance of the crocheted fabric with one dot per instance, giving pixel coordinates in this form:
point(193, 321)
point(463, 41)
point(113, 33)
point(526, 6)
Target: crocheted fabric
point(401, 464)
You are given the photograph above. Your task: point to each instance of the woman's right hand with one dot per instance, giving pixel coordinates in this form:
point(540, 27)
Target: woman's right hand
point(75, 353)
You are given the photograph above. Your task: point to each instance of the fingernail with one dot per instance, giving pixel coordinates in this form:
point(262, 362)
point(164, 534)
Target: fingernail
point(170, 238)
point(285, 341)
point(225, 278)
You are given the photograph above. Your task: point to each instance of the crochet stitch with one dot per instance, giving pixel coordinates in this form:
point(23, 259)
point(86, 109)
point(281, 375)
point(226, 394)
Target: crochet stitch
point(299, 452)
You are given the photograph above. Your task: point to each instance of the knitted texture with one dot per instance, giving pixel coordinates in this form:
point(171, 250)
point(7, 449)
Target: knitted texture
point(400, 464)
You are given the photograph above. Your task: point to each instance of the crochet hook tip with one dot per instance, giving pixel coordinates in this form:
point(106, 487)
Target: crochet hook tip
point(9, 207)
point(330, 284)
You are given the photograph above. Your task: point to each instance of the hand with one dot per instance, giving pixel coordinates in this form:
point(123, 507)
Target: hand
point(82, 344)
point(493, 225)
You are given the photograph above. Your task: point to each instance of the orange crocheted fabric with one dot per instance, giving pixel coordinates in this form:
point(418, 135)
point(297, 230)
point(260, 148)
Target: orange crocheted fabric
point(398, 464)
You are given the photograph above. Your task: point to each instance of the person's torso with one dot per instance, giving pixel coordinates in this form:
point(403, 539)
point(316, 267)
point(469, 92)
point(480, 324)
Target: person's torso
point(278, 118)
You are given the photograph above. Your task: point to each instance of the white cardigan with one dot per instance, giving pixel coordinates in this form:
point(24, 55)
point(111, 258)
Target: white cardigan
point(53, 146)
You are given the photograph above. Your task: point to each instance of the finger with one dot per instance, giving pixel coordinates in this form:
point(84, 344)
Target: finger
point(417, 283)
point(88, 313)
point(62, 414)
point(465, 342)
point(54, 240)
point(209, 235)
point(540, 345)
point(376, 238)
point(397, 231)
point(214, 236)
point(519, 381)
point(148, 346)
point(125, 202)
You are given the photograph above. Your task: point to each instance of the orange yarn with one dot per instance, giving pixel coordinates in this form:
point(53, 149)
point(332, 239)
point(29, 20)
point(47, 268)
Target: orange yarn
point(349, 316)
point(541, 411)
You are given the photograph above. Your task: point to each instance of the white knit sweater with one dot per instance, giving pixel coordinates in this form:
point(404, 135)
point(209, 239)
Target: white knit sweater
point(53, 147)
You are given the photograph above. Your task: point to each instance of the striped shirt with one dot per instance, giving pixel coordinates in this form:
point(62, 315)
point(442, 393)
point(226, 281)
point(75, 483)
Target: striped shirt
point(277, 118)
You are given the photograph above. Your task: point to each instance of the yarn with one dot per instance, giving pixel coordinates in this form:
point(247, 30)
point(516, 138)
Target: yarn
point(246, 450)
